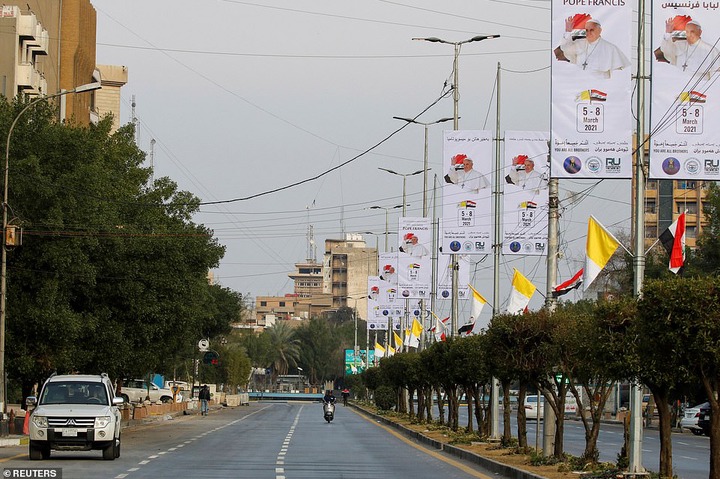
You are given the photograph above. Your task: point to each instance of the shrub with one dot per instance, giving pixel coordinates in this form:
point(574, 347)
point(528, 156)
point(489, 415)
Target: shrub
point(385, 398)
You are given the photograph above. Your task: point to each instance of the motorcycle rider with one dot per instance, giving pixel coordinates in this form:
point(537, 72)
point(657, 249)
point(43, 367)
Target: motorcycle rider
point(329, 398)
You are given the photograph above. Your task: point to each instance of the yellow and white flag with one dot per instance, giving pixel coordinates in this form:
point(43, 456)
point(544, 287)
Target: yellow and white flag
point(390, 351)
point(379, 351)
point(522, 291)
point(599, 248)
point(398, 341)
point(412, 336)
point(478, 303)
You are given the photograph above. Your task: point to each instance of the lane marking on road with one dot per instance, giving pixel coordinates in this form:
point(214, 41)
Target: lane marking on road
point(190, 441)
point(436, 454)
point(16, 456)
point(280, 460)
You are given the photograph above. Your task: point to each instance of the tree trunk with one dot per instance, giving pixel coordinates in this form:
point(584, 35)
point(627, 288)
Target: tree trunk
point(522, 418)
point(507, 430)
point(421, 404)
point(441, 405)
point(411, 403)
point(470, 399)
point(665, 439)
point(429, 404)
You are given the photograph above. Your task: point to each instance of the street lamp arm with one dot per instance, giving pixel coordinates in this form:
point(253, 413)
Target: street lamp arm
point(480, 38)
point(389, 171)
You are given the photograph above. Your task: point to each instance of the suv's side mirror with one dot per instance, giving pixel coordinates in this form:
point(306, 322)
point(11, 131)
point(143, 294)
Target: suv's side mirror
point(118, 401)
point(30, 401)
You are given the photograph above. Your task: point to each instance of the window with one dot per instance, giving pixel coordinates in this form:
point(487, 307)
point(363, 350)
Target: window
point(691, 231)
point(282, 304)
point(263, 303)
point(686, 185)
point(651, 185)
point(690, 207)
point(650, 232)
point(650, 207)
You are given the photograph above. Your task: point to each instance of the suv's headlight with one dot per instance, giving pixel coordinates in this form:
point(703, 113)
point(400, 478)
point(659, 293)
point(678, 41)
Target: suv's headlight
point(40, 421)
point(102, 421)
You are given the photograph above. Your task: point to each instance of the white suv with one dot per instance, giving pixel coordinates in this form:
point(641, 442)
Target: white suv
point(75, 413)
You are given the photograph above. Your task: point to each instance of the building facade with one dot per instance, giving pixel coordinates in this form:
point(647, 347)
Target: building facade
point(48, 46)
point(665, 200)
point(347, 264)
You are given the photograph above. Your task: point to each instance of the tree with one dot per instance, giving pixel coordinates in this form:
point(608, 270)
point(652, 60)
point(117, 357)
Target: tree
point(284, 347)
point(112, 275)
point(679, 341)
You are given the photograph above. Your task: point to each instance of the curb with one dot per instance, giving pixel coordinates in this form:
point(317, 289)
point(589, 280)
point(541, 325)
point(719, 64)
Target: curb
point(493, 466)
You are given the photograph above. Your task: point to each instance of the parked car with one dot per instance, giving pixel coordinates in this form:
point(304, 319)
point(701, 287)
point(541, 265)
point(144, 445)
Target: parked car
point(704, 418)
point(136, 390)
point(690, 419)
point(531, 406)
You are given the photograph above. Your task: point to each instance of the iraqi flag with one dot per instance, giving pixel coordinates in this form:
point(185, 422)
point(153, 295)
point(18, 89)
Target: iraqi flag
point(466, 329)
point(569, 285)
point(673, 239)
point(439, 328)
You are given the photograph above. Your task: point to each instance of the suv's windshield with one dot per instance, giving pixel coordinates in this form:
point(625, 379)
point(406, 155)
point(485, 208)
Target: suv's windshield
point(74, 392)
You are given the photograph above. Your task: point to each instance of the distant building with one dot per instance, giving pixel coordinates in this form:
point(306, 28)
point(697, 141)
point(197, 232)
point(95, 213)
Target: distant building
point(347, 264)
point(665, 200)
point(307, 279)
point(271, 308)
point(107, 100)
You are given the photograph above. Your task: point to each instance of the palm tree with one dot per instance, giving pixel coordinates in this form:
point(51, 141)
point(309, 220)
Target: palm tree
point(284, 349)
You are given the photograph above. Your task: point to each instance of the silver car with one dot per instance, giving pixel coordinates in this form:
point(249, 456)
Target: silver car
point(690, 418)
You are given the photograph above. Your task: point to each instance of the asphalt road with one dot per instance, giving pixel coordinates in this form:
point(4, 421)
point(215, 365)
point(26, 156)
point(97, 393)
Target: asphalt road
point(273, 440)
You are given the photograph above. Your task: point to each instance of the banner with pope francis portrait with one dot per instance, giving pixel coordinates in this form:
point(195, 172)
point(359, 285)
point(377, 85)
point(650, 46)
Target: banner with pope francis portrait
point(685, 112)
point(591, 119)
point(467, 218)
point(414, 258)
point(525, 197)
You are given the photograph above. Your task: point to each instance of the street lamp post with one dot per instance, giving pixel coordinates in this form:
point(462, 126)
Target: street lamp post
point(425, 156)
point(3, 261)
point(404, 177)
point(386, 208)
point(456, 89)
point(456, 102)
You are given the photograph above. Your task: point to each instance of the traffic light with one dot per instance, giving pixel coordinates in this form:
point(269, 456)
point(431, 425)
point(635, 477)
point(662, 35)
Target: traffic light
point(211, 357)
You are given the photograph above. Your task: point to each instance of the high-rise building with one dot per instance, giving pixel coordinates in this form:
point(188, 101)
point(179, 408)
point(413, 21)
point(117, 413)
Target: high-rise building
point(665, 200)
point(347, 264)
point(48, 46)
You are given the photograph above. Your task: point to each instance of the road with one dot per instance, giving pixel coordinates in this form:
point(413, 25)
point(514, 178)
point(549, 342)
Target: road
point(272, 440)
point(280, 440)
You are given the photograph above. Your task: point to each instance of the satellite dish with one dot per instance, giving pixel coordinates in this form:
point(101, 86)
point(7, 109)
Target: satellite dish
point(203, 345)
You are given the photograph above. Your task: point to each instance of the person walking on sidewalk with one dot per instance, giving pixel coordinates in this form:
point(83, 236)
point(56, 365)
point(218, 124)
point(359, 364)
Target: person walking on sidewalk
point(204, 397)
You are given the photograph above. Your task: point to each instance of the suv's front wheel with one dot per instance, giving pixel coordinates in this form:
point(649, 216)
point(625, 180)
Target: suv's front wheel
point(38, 451)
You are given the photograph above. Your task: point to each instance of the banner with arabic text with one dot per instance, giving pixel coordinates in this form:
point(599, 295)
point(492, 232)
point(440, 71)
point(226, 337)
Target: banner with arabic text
point(591, 107)
point(685, 111)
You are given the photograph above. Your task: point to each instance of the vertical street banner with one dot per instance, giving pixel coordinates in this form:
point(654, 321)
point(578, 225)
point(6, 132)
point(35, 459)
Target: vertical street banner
point(591, 119)
point(391, 304)
point(467, 214)
point(685, 113)
point(444, 277)
point(414, 259)
point(525, 199)
point(375, 318)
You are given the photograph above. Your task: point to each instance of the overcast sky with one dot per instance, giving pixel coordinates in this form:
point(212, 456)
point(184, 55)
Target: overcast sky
point(245, 97)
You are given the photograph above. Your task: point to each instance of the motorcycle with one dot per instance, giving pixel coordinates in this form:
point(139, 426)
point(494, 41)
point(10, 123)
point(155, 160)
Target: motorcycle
point(329, 411)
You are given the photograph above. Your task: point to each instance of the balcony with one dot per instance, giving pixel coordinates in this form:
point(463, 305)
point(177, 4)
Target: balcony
point(29, 80)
